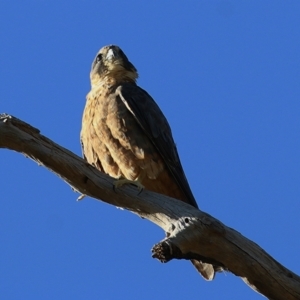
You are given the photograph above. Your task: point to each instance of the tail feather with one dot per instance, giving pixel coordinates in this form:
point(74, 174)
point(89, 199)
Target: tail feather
point(206, 270)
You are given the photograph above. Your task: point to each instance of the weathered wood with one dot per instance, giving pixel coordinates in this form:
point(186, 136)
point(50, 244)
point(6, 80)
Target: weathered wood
point(191, 233)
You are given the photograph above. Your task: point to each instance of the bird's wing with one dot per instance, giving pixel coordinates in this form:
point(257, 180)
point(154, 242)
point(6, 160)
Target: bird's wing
point(154, 124)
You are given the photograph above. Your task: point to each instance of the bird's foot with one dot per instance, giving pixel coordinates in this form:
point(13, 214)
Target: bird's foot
point(120, 182)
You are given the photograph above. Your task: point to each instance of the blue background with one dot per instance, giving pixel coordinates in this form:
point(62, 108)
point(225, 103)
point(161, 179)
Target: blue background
point(226, 75)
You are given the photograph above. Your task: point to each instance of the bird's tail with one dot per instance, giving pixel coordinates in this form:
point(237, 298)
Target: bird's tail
point(208, 271)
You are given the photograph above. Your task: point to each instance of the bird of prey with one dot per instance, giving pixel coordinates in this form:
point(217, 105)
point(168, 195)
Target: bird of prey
point(125, 134)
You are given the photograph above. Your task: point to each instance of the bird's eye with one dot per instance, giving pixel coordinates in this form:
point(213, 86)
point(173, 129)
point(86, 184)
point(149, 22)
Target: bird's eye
point(98, 58)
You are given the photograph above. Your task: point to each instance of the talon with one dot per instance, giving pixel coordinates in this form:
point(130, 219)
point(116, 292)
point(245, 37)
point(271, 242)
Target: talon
point(121, 182)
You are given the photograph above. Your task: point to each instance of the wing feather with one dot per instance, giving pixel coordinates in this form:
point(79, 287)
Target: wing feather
point(154, 124)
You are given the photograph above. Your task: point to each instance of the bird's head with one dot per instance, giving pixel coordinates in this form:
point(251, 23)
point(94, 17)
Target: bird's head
point(112, 65)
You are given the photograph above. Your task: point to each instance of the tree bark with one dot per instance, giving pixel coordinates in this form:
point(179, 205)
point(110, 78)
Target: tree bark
point(191, 233)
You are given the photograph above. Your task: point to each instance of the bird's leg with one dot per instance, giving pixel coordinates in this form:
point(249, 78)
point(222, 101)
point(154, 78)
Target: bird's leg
point(137, 182)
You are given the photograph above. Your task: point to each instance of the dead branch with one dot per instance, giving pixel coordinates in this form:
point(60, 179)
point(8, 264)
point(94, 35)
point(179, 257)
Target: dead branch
point(191, 233)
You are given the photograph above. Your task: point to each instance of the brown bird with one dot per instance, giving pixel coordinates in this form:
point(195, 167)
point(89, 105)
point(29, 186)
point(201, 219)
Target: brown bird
point(125, 134)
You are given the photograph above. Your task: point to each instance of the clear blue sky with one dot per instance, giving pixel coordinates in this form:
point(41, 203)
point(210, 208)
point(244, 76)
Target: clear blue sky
point(225, 73)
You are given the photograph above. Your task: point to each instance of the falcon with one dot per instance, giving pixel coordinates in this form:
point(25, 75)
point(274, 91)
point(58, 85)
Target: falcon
point(125, 134)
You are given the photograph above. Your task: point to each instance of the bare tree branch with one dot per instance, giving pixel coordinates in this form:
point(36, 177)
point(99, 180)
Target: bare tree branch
point(191, 233)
